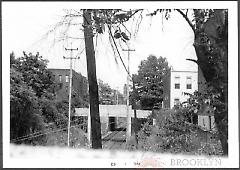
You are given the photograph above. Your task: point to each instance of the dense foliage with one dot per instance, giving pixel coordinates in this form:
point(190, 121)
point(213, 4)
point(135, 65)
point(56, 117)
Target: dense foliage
point(173, 134)
point(210, 29)
point(211, 45)
point(30, 88)
point(34, 112)
point(107, 95)
point(149, 81)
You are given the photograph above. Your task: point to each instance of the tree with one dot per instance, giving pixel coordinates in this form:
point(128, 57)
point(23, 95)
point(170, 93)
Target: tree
point(35, 73)
point(94, 22)
point(25, 108)
point(32, 101)
point(148, 81)
point(107, 95)
point(210, 30)
point(100, 18)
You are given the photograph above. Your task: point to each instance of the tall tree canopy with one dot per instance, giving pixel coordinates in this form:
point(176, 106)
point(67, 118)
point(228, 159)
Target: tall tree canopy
point(32, 104)
point(210, 28)
point(149, 82)
point(29, 81)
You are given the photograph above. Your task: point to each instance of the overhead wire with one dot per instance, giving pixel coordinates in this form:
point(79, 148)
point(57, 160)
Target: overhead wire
point(118, 51)
point(114, 51)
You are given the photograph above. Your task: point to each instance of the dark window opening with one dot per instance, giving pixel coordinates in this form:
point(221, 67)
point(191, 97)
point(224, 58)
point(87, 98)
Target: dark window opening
point(177, 86)
point(112, 123)
point(189, 86)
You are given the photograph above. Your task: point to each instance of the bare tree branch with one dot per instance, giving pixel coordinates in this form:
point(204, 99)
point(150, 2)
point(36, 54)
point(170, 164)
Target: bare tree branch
point(195, 61)
point(187, 19)
point(126, 29)
point(114, 51)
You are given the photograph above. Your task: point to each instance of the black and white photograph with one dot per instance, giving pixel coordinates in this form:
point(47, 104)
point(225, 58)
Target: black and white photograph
point(137, 84)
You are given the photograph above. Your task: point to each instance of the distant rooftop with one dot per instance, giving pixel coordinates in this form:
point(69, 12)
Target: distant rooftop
point(66, 69)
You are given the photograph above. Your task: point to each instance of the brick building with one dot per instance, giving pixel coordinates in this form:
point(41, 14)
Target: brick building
point(79, 83)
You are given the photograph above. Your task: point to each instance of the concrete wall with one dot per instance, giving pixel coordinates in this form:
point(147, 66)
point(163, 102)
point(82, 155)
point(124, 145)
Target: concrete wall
point(104, 124)
point(114, 111)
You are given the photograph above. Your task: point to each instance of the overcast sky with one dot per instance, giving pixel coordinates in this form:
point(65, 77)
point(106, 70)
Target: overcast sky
point(25, 23)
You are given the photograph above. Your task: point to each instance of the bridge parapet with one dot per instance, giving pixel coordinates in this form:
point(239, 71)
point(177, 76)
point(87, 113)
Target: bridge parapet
point(113, 111)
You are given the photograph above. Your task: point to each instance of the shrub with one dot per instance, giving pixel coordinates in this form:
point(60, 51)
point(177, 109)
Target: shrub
point(173, 134)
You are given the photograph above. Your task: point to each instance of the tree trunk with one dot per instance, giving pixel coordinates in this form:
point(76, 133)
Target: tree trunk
point(92, 80)
point(202, 61)
point(219, 118)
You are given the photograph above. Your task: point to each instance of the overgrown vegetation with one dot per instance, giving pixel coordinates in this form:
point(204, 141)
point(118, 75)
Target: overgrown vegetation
point(35, 116)
point(107, 95)
point(173, 134)
point(149, 81)
point(31, 88)
point(210, 29)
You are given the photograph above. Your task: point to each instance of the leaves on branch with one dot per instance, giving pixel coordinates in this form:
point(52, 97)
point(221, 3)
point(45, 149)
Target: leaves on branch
point(149, 82)
point(123, 34)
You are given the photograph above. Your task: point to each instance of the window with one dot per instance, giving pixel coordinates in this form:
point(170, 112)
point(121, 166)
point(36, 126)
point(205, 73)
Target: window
point(177, 86)
point(60, 78)
point(189, 86)
point(177, 82)
point(176, 101)
point(67, 79)
point(189, 82)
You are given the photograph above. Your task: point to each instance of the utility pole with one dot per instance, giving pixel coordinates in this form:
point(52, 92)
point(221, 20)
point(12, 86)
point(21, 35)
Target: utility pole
point(92, 81)
point(129, 116)
point(70, 89)
point(135, 122)
point(117, 96)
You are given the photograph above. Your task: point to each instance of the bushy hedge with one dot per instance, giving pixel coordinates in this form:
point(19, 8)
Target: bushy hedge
point(172, 134)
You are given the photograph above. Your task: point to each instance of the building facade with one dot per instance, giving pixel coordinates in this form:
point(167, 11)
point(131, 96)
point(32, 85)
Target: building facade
point(79, 83)
point(176, 84)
